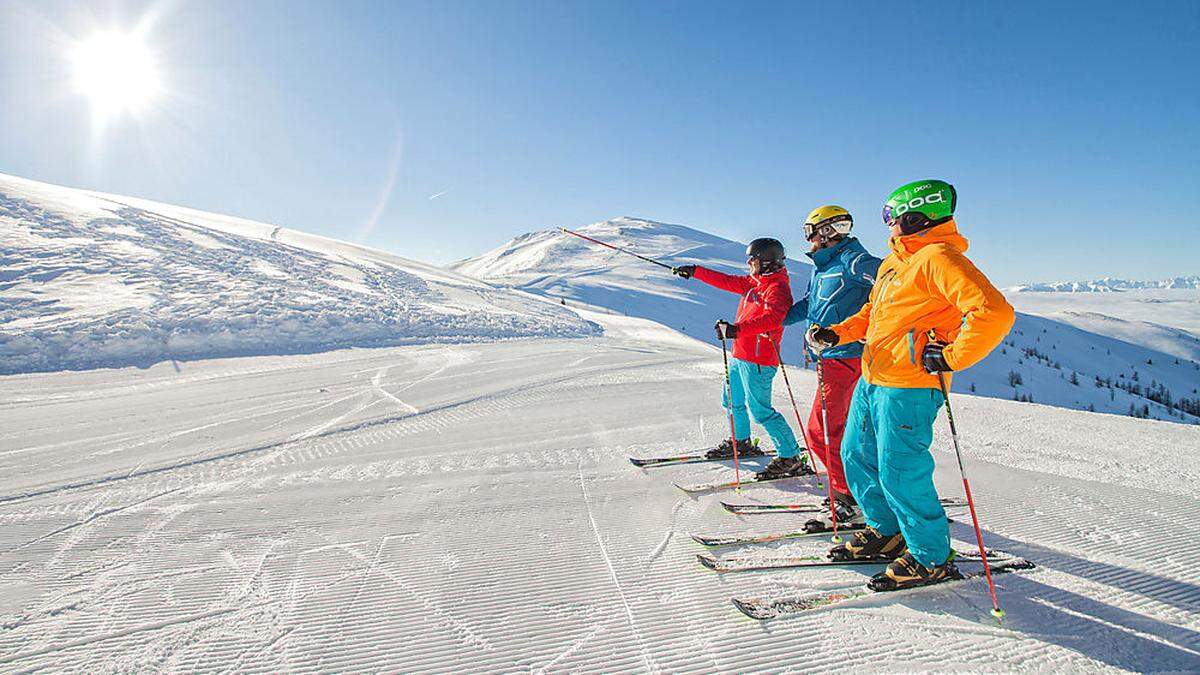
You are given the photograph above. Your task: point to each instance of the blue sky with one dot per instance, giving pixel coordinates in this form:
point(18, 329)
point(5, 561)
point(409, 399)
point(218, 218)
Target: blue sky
point(1071, 130)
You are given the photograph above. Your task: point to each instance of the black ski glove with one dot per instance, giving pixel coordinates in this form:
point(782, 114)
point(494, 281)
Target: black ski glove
point(685, 271)
point(726, 330)
point(820, 338)
point(933, 360)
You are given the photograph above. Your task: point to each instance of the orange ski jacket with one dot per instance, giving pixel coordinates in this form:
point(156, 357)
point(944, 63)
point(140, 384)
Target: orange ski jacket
point(927, 284)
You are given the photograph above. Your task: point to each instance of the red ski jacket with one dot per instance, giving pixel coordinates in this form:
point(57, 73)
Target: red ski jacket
point(766, 299)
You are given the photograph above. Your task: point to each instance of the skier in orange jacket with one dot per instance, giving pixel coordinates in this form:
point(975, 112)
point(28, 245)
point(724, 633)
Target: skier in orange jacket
point(931, 311)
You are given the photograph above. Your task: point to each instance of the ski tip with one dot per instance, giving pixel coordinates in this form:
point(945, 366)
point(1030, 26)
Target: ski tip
point(754, 608)
point(749, 609)
point(637, 462)
point(708, 561)
point(702, 540)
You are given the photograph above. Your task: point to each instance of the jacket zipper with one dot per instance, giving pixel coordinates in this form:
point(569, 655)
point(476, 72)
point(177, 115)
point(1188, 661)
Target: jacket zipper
point(912, 348)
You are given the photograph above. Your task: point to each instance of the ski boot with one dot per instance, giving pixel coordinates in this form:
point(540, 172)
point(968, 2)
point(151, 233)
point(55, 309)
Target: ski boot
point(849, 516)
point(746, 448)
point(906, 572)
point(785, 467)
point(869, 544)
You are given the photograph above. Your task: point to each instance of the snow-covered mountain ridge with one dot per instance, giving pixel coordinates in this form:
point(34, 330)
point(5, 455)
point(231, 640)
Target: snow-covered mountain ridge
point(93, 280)
point(1105, 285)
point(557, 265)
point(1081, 360)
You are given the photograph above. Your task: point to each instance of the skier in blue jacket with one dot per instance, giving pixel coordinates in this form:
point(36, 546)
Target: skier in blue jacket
point(841, 282)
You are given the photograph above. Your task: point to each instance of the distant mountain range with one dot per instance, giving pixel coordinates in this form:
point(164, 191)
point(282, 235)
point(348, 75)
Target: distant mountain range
point(1106, 285)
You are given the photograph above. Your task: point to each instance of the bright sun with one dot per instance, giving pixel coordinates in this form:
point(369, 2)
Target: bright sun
point(116, 72)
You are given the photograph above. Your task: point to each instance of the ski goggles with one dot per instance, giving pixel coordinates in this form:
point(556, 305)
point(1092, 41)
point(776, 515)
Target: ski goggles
point(824, 228)
point(888, 219)
point(909, 220)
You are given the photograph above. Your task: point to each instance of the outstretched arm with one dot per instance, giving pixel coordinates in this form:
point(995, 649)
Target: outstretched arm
point(725, 282)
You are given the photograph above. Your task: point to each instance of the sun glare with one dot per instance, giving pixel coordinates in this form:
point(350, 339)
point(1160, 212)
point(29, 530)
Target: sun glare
point(116, 72)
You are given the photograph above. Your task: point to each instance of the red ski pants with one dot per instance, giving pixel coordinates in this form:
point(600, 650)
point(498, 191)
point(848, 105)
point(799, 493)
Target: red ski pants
point(840, 377)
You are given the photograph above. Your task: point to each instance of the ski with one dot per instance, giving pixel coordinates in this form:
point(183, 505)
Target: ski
point(698, 456)
point(750, 508)
point(713, 541)
point(752, 563)
point(767, 608)
point(725, 485)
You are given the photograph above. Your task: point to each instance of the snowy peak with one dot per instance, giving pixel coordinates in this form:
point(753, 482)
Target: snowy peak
point(550, 248)
point(91, 280)
point(1107, 285)
point(574, 271)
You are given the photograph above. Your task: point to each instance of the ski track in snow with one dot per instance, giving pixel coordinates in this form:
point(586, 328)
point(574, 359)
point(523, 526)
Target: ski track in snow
point(646, 661)
point(499, 526)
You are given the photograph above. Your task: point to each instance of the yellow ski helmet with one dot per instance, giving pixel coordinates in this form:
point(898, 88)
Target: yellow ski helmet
point(827, 221)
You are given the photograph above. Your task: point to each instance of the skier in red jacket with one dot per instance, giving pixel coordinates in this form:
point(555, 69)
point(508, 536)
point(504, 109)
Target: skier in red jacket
point(756, 332)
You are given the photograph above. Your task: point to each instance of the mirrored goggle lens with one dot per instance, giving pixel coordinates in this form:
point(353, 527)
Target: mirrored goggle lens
point(887, 215)
point(819, 230)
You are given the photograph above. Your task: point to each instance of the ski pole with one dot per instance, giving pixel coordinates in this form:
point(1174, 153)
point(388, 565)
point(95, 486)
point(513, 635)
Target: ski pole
point(825, 431)
point(796, 409)
point(987, 569)
point(737, 473)
point(617, 248)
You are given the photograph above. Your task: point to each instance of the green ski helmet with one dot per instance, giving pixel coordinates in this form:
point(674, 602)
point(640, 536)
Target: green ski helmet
point(920, 205)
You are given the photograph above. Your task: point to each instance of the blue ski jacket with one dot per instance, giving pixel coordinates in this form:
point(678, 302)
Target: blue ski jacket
point(841, 282)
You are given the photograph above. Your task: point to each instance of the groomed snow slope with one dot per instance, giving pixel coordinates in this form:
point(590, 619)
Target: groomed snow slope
point(90, 280)
point(469, 507)
point(558, 265)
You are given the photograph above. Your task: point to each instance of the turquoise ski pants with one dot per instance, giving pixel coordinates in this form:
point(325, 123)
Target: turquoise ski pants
point(889, 468)
point(751, 387)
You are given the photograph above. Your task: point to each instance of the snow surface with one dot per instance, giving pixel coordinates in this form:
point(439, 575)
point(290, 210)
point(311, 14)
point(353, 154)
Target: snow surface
point(564, 267)
point(1083, 345)
point(91, 280)
point(465, 504)
point(469, 507)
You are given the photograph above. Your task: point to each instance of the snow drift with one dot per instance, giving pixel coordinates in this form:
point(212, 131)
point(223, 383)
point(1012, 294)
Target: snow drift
point(91, 280)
